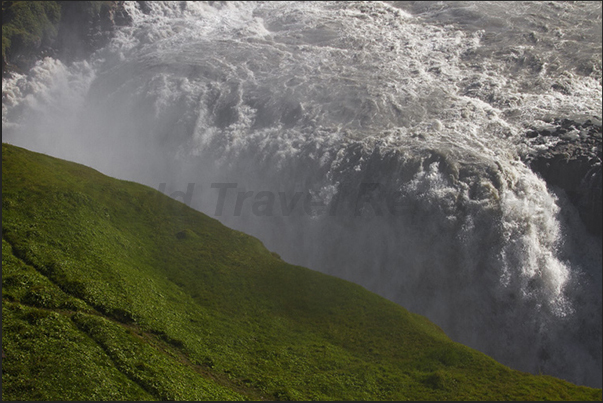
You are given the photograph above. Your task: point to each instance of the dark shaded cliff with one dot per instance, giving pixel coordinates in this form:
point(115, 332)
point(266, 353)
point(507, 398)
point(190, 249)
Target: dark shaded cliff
point(573, 164)
point(63, 29)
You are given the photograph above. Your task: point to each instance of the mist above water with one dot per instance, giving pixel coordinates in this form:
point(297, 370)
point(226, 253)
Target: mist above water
point(362, 106)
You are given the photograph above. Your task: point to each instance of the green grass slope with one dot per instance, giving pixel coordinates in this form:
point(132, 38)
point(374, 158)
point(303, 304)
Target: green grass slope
point(113, 291)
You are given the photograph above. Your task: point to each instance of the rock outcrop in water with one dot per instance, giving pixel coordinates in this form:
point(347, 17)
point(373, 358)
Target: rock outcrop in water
point(572, 162)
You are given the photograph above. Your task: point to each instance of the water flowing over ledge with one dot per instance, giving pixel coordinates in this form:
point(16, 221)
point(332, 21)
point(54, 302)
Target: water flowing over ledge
point(347, 100)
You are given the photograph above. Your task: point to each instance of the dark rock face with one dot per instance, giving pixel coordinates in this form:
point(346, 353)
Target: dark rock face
point(67, 30)
point(572, 162)
point(86, 26)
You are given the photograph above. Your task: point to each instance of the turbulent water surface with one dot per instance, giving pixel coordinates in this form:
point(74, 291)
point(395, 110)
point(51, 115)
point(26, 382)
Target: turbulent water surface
point(377, 142)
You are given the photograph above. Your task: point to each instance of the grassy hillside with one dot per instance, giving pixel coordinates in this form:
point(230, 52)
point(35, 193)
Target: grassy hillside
point(112, 290)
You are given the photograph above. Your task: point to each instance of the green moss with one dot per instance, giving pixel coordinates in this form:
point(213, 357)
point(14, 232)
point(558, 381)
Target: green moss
point(27, 26)
point(162, 302)
point(31, 27)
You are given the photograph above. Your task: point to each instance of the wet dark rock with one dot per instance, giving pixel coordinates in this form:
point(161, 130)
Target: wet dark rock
point(144, 7)
point(573, 164)
point(87, 26)
point(560, 88)
point(67, 30)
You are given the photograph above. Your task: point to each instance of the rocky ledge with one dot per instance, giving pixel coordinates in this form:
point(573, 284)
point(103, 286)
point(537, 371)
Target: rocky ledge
point(567, 155)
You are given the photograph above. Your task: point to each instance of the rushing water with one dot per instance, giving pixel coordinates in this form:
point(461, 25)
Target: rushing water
point(399, 125)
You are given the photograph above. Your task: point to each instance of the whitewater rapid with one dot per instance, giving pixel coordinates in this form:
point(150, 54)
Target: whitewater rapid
point(400, 125)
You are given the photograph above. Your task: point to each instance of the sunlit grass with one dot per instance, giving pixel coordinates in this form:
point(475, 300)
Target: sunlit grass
point(112, 290)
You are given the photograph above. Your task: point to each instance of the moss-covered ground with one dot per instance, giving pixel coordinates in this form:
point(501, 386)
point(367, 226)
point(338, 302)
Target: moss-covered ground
point(31, 29)
point(113, 291)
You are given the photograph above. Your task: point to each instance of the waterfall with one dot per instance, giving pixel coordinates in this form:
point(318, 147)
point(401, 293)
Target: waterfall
point(380, 143)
